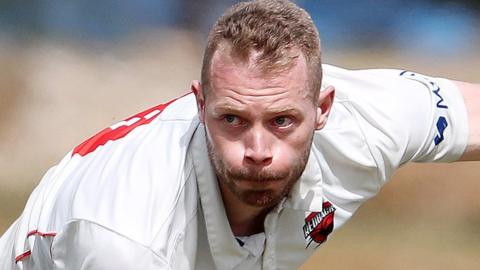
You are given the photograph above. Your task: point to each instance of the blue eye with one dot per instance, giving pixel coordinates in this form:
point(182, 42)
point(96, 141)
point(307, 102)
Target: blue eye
point(232, 120)
point(282, 121)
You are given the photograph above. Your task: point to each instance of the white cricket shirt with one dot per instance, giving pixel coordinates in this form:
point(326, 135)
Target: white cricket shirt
point(142, 194)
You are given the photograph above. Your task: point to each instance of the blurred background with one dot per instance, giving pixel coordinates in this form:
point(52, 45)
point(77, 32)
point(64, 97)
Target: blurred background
point(70, 68)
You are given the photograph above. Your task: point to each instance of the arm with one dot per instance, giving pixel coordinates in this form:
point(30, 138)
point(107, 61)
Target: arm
point(471, 95)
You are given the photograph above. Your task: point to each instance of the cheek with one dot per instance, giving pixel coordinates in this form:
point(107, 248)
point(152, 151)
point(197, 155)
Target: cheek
point(290, 150)
point(227, 151)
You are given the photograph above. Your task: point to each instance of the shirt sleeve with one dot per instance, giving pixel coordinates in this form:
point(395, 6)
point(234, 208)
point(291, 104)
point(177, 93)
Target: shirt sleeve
point(405, 116)
point(447, 137)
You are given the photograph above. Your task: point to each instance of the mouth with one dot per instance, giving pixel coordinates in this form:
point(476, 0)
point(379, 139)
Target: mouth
point(258, 180)
point(258, 176)
point(260, 184)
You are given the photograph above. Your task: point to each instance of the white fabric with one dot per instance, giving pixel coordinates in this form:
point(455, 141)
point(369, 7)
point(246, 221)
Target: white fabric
point(149, 199)
point(253, 243)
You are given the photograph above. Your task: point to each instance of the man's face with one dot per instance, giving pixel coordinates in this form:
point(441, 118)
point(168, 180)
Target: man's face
point(259, 128)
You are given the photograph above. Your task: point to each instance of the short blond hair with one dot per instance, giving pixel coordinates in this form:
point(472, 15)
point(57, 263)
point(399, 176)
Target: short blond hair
point(272, 28)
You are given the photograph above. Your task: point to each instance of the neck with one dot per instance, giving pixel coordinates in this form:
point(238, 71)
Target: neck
point(244, 219)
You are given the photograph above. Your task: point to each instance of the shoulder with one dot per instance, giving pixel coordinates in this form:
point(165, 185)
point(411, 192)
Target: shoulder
point(177, 113)
point(130, 178)
point(408, 115)
point(366, 83)
point(385, 85)
point(366, 133)
point(383, 118)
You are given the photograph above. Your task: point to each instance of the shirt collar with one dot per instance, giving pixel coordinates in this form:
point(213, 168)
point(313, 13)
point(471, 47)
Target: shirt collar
point(307, 193)
point(226, 251)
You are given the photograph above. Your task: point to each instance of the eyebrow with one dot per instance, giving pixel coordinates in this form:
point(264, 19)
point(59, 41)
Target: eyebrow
point(287, 110)
point(228, 108)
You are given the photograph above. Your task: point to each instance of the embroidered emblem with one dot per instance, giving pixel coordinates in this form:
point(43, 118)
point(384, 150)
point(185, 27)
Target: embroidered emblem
point(318, 225)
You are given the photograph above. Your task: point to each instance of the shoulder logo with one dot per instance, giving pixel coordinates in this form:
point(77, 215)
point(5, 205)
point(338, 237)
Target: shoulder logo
point(441, 104)
point(318, 225)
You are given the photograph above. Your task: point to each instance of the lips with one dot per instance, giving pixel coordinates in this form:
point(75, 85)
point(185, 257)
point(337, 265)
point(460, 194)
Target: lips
point(262, 180)
point(258, 176)
point(259, 185)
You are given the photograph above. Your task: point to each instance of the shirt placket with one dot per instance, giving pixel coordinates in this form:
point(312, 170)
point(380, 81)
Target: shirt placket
point(270, 225)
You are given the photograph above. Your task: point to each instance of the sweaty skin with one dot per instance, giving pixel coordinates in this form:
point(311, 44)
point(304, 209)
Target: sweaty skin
point(471, 96)
point(259, 133)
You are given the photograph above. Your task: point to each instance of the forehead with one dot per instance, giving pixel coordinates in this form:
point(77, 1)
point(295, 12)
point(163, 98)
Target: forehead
point(228, 71)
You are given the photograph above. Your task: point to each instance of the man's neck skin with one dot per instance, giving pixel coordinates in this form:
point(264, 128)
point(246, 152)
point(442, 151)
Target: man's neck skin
point(244, 219)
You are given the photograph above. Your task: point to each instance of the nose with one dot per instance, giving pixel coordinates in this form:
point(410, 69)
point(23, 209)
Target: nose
point(258, 147)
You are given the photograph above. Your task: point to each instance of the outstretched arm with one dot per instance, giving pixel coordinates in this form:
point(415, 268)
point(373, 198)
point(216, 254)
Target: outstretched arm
point(471, 95)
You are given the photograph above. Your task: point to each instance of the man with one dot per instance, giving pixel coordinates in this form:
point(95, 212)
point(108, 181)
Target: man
point(246, 172)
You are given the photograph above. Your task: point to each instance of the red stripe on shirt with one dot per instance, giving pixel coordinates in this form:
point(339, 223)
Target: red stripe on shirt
point(27, 253)
point(120, 130)
point(23, 256)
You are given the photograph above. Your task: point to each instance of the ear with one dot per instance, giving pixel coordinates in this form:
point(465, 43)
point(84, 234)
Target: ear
point(324, 105)
point(198, 92)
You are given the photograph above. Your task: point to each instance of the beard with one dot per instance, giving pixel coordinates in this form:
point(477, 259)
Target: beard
point(259, 196)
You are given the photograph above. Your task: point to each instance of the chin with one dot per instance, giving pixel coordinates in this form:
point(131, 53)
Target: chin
point(262, 199)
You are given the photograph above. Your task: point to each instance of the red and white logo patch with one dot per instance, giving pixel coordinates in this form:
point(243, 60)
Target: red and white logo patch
point(318, 225)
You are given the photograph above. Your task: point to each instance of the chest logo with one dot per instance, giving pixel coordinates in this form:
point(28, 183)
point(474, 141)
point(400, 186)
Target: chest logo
point(318, 225)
